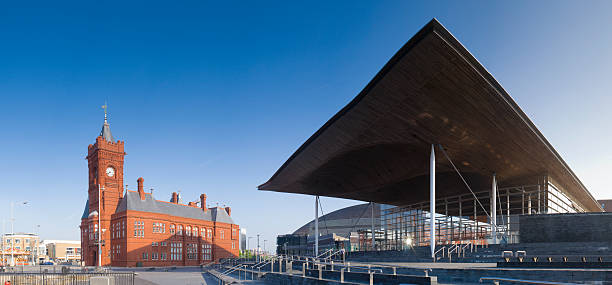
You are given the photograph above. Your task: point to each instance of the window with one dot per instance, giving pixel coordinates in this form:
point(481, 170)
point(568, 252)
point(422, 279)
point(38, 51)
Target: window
point(222, 234)
point(139, 229)
point(145, 256)
point(154, 243)
point(179, 231)
point(206, 252)
point(209, 233)
point(233, 233)
point(203, 233)
point(192, 251)
point(163, 243)
point(233, 245)
point(195, 231)
point(163, 256)
point(123, 229)
point(176, 251)
point(188, 231)
point(154, 256)
point(159, 228)
point(172, 229)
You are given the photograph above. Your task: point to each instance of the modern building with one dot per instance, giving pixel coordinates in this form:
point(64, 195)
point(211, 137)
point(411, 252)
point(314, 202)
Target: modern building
point(61, 251)
point(339, 229)
point(437, 140)
point(243, 239)
point(19, 249)
point(139, 230)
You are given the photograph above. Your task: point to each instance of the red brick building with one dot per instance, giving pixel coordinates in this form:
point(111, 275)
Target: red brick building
point(137, 229)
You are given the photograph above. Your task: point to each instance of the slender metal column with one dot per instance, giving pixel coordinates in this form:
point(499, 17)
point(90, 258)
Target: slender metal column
point(529, 204)
point(373, 233)
point(460, 221)
point(316, 226)
point(476, 231)
point(494, 209)
point(432, 201)
point(508, 210)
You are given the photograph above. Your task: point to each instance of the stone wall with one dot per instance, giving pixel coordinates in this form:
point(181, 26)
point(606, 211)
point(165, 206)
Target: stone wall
point(583, 227)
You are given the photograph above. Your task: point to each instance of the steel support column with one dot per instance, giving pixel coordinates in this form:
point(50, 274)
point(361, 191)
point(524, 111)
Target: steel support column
point(432, 201)
point(316, 249)
point(494, 209)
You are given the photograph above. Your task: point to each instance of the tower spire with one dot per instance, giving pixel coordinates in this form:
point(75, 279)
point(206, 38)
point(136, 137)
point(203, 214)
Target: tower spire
point(105, 107)
point(106, 132)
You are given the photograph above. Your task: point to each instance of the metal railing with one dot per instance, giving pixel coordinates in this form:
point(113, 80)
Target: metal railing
point(523, 281)
point(119, 278)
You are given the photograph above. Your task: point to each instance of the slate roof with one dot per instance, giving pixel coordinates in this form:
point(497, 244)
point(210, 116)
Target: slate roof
point(131, 201)
point(106, 132)
point(86, 211)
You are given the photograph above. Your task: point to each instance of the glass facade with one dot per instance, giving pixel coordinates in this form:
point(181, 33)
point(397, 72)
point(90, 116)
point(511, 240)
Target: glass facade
point(467, 218)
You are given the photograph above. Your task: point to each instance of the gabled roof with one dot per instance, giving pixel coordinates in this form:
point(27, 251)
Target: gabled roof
point(432, 91)
point(131, 201)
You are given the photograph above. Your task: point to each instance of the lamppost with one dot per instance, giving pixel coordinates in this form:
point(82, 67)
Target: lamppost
point(13, 231)
point(265, 240)
point(258, 259)
point(248, 241)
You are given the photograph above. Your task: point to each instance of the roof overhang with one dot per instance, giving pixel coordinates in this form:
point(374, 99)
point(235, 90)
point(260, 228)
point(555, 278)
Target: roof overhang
point(432, 91)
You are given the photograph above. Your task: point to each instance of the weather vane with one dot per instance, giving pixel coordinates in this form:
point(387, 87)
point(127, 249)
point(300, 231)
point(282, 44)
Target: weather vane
point(105, 107)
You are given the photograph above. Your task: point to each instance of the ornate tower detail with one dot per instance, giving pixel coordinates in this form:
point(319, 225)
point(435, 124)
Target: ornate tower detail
point(105, 163)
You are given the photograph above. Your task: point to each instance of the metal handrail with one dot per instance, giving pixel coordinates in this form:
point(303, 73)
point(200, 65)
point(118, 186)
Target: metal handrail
point(524, 281)
point(230, 270)
point(441, 249)
point(323, 253)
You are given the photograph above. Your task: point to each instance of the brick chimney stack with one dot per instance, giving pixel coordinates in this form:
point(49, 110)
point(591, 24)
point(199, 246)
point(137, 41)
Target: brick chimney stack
point(203, 202)
point(174, 198)
point(141, 192)
point(229, 211)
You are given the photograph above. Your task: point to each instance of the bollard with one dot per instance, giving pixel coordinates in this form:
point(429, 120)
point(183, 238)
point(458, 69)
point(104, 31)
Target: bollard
point(348, 267)
point(320, 273)
point(272, 265)
point(332, 265)
point(371, 278)
point(341, 275)
point(303, 269)
point(394, 270)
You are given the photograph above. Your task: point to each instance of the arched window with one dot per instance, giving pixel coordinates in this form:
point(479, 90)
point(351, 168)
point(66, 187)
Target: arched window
point(195, 231)
point(172, 229)
point(188, 231)
point(179, 230)
point(203, 233)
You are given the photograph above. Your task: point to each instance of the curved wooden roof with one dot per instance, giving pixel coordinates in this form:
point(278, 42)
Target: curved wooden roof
point(431, 91)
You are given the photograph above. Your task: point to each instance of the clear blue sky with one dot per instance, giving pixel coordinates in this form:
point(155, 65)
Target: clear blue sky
point(213, 98)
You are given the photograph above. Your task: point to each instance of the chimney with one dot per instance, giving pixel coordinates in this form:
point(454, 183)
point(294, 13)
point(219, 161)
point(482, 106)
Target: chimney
point(174, 198)
point(141, 192)
point(228, 210)
point(203, 202)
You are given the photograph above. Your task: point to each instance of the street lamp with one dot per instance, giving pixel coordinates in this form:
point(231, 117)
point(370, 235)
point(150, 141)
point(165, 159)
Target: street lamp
point(265, 240)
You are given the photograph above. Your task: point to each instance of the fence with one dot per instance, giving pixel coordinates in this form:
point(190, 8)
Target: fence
point(123, 278)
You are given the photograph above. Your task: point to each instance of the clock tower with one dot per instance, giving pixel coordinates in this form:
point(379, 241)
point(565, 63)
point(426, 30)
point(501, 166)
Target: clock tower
point(105, 163)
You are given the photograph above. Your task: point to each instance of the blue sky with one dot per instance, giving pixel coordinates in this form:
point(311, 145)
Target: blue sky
point(213, 97)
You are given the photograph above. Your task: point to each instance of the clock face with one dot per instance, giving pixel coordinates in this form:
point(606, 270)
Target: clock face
point(110, 172)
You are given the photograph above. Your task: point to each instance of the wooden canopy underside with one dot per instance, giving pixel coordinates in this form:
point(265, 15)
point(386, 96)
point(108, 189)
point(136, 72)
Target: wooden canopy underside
point(433, 91)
